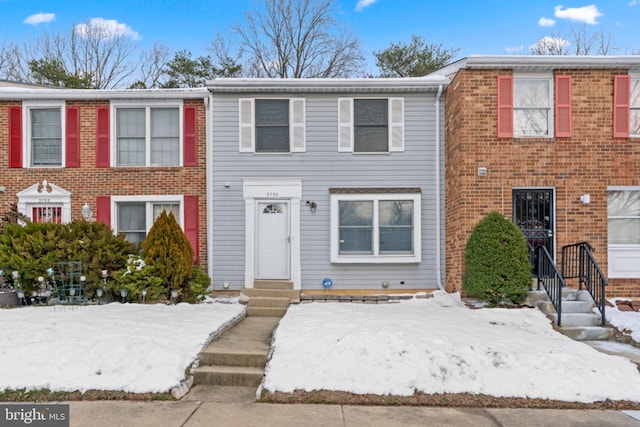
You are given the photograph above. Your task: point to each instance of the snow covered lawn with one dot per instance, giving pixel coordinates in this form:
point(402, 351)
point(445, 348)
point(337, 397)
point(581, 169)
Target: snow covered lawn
point(129, 347)
point(438, 345)
point(624, 320)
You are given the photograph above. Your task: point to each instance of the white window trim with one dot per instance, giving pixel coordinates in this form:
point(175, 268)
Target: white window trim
point(550, 107)
point(149, 201)
point(634, 76)
point(147, 105)
point(27, 106)
point(395, 125)
point(620, 256)
point(297, 125)
point(376, 257)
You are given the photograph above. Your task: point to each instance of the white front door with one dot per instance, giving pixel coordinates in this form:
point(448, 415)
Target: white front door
point(273, 240)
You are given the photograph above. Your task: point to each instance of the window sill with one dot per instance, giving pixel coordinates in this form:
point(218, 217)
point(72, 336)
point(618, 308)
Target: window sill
point(380, 259)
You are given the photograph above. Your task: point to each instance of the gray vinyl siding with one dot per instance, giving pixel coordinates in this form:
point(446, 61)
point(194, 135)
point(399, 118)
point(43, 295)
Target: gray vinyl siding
point(322, 167)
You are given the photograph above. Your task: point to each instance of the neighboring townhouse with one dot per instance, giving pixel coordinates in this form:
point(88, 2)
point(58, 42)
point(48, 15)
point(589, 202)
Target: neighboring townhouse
point(316, 179)
point(125, 155)
point(554, 144)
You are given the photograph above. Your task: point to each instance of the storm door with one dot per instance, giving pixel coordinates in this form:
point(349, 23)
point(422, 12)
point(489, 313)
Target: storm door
point(533, 212)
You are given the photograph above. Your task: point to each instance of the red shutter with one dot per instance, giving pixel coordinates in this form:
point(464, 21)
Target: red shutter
point(72, 129)
point(191, 222)
point(621, 99)
point(15, 137)
point(103, 208)
point(190, 136)
point(102, 137)
point(505, 107)
point(563, 106)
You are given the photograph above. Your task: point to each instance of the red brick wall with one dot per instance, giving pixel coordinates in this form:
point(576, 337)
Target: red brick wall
point(87, 182)
point(586, 163)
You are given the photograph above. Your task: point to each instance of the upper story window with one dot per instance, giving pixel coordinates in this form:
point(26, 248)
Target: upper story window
point(272, 125)
point(46, 136)
point(634, 107)
point(532, 113)
point(371, 125)
point(534, 106)
point(147, 136)
point(380, 227)
point(626, 106)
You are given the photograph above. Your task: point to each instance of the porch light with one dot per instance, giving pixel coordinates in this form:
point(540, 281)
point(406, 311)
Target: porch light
point(86, 212)
point(312, 205)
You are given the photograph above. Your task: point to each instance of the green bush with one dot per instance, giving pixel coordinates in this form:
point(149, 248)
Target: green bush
point(135, 277)
point(168, 252)
point(32, 248)
point(496, 261)
point(198, 285)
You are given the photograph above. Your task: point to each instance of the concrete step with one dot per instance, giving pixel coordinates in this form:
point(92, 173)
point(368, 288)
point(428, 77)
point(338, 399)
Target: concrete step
point(577, 319)
point(573, 294)
point(228, 375)
point(587, 333)
point(272, 284)
point(577, 306)
point(266, 311)
point(212, 357)
point(293, 295)
point(268, 302)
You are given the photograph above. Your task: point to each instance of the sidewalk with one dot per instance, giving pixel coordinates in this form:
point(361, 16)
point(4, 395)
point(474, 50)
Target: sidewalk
point(234, 406)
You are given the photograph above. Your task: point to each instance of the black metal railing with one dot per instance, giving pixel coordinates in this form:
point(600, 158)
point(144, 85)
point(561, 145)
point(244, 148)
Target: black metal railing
point(578, 262)
point(549, 276)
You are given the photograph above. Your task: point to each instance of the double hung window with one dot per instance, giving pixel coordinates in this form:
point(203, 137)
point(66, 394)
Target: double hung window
point(135, 218)
point(381, 227)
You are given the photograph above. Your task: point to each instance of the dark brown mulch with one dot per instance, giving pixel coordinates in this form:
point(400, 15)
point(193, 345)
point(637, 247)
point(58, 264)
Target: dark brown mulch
point(73, 396)
point(438, 400)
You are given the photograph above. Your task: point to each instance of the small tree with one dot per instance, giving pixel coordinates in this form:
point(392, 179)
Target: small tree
point(168, 251)
point(496, 261)
point(415, 59)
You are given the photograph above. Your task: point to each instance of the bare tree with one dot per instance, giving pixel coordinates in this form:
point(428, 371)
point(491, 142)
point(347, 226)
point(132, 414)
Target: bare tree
point(296, 39)
point(581, 42)
point(12, 67)
point(92, 50)
point(152, 63)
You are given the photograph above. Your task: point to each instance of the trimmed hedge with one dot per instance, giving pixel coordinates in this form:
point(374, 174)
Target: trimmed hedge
point(496, 261)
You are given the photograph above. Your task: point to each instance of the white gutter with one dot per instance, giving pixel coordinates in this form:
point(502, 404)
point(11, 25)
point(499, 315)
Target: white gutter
point(438, 199)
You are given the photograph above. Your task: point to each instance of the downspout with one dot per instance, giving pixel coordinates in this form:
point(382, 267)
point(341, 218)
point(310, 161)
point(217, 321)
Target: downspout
point(438, 198)
point(208, 104)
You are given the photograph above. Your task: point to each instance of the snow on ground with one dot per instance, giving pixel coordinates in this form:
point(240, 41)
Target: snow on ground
point(434, 345)
point(129, 347)
point(438, 345)
point(624, 320)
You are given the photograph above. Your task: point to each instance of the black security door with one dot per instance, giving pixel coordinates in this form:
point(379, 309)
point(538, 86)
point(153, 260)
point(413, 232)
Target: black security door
point(533, 213)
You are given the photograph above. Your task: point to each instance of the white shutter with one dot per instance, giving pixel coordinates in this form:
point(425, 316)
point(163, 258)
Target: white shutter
point(345, 124)
point(297, 125)
point(396, 124)
point(247, 128)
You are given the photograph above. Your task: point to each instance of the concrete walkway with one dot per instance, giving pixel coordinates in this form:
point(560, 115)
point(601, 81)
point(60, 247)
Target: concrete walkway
point(235, 406)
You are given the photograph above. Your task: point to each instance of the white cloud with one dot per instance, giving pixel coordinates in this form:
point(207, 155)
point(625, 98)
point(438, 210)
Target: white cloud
point(633, 2)
point(515, 49)
point(106, 29)
point(586, 14)
point(546, 22)
point(364, 3)
point(40, 18)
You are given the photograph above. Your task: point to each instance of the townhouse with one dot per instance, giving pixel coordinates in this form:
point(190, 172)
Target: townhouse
point(554, 144)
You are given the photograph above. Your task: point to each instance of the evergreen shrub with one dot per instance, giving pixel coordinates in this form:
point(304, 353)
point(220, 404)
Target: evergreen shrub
point(496, 261)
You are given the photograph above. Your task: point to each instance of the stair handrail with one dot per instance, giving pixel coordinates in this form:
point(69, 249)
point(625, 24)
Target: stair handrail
point(593, 279)
point(570, 263)
point(553, 282)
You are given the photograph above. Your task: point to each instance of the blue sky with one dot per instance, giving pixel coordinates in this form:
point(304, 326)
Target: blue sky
point(475, 27)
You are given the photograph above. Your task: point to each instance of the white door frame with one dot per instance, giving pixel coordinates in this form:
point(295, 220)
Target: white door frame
point(276, 189)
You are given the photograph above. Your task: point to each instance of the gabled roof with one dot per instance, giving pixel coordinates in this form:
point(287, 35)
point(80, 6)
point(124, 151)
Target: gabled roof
point(540, 63)
point(409, 84)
